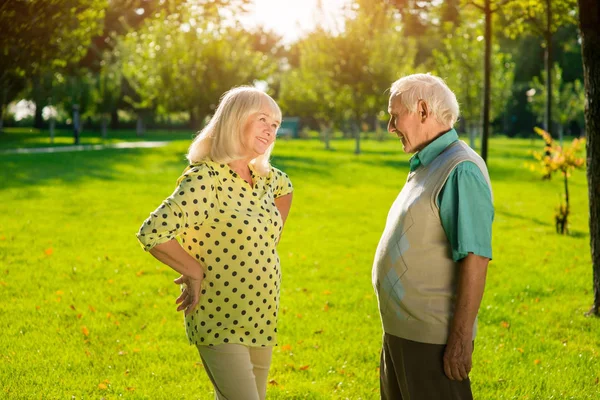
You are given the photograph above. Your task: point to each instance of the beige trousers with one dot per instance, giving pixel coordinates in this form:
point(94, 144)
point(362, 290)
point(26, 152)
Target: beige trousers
point(237, 372)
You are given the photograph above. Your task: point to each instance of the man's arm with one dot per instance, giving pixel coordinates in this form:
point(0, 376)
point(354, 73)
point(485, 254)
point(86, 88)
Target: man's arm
point(459, 348)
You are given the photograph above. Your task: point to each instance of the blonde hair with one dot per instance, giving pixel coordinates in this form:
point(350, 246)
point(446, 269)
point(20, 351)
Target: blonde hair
point(221, 139)
point(442, 102)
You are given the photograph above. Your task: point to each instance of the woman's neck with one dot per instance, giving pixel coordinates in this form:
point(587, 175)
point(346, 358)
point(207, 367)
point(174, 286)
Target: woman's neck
point(241, 168)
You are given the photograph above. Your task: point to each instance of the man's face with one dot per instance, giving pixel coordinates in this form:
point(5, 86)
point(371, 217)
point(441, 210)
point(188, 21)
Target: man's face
point(407, 126)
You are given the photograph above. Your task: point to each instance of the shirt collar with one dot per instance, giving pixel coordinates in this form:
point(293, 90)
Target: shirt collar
point(432, 150)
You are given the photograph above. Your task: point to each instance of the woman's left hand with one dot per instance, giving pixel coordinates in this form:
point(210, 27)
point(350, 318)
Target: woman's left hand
point(190, 296)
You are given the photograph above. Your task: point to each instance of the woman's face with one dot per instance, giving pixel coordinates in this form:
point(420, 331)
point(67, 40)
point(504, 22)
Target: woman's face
point(260, 131)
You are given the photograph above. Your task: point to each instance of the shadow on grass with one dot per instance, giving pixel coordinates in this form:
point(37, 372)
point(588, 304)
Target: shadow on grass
point(505, 213)
point(13, 138)
point(301, 165)
point(30, 170)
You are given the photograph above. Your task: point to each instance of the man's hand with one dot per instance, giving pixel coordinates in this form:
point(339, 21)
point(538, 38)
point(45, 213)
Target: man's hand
point(190, 295)
point(458, 357)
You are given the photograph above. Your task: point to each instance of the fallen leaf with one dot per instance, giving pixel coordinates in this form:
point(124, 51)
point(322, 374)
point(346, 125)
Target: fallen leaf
point(49, 251)
point(327, 292)
point(326, 307)
point(2, 237)
point(286, 347)
point(139, 273)
point(318, 332)
point(130, 389)
point(273, 382)
point(2, 283)
point(536, 362)
point(298, 315)
point(108, 315)
point(72, 307)
point(37, 307)
point(597, 380)
point(92, 309)
point(85, 331)
point(102, 386)
point(304, 367)
point(79, 316)
point(505, 324)
point(520, 350)
point(122, 353)
point(59, 292)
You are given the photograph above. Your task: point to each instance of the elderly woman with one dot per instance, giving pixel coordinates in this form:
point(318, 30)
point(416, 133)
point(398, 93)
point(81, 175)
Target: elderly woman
point(228, 212)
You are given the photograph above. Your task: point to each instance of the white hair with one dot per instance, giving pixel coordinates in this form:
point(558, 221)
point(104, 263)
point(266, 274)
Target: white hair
point(221, 139)
point(441, 101)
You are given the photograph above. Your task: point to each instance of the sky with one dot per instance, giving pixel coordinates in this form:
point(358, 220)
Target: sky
point(293, 18)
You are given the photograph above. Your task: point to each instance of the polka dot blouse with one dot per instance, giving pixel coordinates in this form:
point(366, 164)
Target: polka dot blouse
point(232, 229)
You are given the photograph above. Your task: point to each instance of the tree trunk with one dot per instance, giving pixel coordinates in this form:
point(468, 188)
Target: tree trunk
point(472, 134)
point(3, 97)
point(560, 129)
point(38, 119)
point(356, 129)
point(51, 128)
point(487, 81)
point(76, 129)
point(139, 126)
point(325, 129)
point(589, 25)
point(103, 127)
point(114, 119)
point(548, 66)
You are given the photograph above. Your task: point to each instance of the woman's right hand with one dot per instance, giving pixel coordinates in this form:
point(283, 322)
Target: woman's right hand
point(190, 296)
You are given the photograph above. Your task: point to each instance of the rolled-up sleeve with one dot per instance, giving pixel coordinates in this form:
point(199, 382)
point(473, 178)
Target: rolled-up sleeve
point(186, 208)
point(467, 211)
point(282, 184)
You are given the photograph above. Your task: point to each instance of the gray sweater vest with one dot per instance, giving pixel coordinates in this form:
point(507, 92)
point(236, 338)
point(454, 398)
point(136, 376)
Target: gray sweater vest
point(414, 275)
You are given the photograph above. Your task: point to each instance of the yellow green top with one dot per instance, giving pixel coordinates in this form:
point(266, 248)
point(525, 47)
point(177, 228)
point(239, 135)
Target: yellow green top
point(232, 228)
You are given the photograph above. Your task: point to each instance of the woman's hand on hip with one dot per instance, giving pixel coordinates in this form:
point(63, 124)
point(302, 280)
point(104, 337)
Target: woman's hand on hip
point(190, 295)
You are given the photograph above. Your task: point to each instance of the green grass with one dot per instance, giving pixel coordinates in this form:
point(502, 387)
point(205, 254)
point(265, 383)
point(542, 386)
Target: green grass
point(85, 313)
point(13, 138)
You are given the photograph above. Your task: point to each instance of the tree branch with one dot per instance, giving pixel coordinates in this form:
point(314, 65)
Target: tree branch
point(472, 3)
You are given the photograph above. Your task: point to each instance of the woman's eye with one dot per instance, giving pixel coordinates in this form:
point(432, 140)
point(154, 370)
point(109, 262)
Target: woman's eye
point(263, 119)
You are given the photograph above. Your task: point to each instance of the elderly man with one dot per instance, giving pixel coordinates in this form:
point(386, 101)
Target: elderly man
point(431, 263)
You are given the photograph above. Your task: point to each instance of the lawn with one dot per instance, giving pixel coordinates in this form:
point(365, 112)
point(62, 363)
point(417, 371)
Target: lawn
point(86, 314)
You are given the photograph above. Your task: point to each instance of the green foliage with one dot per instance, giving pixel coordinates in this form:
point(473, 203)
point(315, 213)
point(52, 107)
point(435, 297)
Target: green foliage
point(184, 63)
point(460, 62)
point(568, 98)
point(530, 16)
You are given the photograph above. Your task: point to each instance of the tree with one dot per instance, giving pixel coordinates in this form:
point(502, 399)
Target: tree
point(309, 90)
point(182, 61)
point(589, 25)
point(459, 63)
point(367, 57)
point(40, 35)
point(568, 99)
point(541, 18)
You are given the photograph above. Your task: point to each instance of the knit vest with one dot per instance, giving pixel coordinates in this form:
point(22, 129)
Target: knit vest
point(414, 275)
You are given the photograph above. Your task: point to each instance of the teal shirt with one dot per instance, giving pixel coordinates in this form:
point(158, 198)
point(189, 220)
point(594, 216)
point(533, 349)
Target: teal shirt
point(465, 202)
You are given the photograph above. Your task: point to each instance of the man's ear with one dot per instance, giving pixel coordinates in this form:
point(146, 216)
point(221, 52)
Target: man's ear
point(423, 110)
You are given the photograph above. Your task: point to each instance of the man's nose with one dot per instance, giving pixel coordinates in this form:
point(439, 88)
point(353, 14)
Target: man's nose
point(391, 126)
